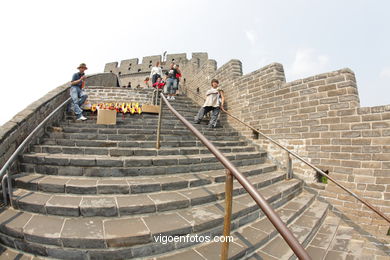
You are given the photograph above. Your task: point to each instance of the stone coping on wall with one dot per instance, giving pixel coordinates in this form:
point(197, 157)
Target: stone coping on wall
point(14, 131)
point(23, 115)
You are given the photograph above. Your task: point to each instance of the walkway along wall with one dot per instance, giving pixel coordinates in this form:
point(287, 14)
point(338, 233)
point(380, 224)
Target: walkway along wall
point(319, 118)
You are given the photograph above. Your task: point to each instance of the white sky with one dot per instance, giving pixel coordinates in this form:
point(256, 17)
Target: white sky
point(42, 42)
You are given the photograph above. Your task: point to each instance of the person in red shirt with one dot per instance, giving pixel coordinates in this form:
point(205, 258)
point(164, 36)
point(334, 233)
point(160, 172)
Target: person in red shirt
point(159, 83)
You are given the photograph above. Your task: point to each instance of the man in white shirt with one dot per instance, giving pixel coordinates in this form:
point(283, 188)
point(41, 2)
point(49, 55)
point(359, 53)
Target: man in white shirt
point(215, 99)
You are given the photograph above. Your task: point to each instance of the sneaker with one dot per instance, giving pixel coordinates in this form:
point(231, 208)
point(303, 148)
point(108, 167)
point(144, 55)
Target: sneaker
point(196, 122)
point(82, 118)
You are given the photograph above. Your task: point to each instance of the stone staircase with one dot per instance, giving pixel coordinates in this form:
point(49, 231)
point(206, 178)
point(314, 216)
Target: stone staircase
point(92, 191)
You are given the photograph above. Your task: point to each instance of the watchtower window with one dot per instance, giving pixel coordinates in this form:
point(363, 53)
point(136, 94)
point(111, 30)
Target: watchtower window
point(150, 66)
point(129, 68)
point(111, 71)
point(150, 61)
point(139, 70)
point(119, 73)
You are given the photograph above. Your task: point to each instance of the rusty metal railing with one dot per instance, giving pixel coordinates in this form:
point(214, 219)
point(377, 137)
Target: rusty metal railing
point(6, 181)
point(289, 162)
point(252, 191)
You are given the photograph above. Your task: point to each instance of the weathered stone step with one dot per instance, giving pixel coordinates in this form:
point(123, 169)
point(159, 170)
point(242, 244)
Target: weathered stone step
point(147, 124)
point(11, 253)
point(255, 234)
point(140, 144)
point(150, 123)
point(167, 119)
point(164, 131)
point(304, 228)
point(102, 171)
point(131, 118)
point(122, 185)
point(138, 120)
point(115, 151)
point(132, 185)
point(122, 205)
point(137, 137)
point(131, 161)
point(126, 237)
point(250, 237)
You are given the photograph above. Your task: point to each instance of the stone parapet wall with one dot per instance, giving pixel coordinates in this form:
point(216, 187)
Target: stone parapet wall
point(13, 132)
point(319, 118)
point(130, 70)
point(98, 94)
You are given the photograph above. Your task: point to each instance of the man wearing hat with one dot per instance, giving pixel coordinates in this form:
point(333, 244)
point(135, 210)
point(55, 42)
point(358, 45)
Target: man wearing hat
point(77, 95)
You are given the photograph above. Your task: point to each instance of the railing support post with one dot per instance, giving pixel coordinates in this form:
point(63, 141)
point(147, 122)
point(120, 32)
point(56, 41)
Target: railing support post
point(4, 188)
point(289, 166)
point(159, 124)
point(228, 214)
point(9, 184)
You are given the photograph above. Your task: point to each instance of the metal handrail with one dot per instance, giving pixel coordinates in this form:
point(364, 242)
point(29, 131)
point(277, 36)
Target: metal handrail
point(252, 191)
point(4, 172)
point(369, 205)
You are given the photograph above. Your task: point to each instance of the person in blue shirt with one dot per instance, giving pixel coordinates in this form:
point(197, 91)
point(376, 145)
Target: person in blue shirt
point(76, 93)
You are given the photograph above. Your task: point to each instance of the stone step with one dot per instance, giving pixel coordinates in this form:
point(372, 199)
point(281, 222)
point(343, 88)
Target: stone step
point(122, 205)
point(168, 118)
point(338, 239)
point(104, 171)
point(127, 237)
point(304, 228)
point(147, 124)
point(131, 161)
point(140, 144)
point(164, 131)
point(10, 253)
point(151, 123)
point(115, 151)
point(132, 185)
point(137, 137)
point(256, 234)
point(131, 118)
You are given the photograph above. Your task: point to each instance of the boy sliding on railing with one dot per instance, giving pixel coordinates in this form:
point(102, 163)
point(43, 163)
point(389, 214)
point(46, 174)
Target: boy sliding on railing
point(215, 100)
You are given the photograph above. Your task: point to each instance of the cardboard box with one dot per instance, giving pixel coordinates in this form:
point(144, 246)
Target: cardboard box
point(106, 117)
point(150, 109)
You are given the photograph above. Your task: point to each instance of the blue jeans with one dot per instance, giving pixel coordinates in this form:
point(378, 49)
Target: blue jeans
point(78, 98)
point(214, 115)
point(171, 86)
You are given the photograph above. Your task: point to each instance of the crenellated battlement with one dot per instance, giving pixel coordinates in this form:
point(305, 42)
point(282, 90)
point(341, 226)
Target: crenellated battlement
point(132, 66)
point(131, 70)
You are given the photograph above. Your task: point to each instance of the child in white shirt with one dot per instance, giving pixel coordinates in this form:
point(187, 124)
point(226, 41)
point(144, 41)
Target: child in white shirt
point(215, 99)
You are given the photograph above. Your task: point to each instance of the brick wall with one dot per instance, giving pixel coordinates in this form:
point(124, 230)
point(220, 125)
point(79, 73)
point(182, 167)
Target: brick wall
point(131, 70)
point(317, 117)
point(13, 132)
point(98, 94)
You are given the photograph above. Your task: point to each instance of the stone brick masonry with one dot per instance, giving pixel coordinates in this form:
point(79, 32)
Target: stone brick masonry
point(97, 94)
point(320, 119)
point(13, 132)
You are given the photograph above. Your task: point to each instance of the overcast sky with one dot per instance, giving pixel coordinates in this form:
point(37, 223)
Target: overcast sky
point(42, 42)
